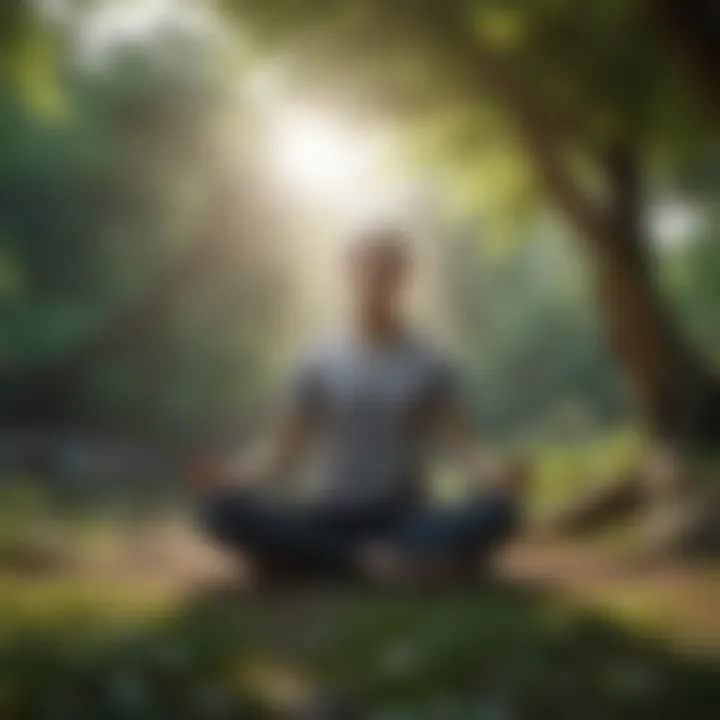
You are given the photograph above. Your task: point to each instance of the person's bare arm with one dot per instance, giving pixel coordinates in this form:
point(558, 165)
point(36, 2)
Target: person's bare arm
point(478, 465)
point(278, 452)
point(263, 461)
point(456, 433)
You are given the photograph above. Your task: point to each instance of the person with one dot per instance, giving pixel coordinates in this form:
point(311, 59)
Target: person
point(373, 398)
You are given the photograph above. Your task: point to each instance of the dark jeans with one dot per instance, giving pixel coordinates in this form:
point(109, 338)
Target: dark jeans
point(323, 539)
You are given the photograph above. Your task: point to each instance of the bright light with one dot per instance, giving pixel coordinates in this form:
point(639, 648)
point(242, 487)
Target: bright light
point(319, 158)
point(675, 223)
point(104, 27)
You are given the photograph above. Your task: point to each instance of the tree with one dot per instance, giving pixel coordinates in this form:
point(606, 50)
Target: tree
point(593, 106)
point(692, 28)
point(147, 255)
point(537, 368)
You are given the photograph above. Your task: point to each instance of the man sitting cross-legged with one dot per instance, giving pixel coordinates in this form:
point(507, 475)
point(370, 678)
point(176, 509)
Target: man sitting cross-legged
point(372, 398)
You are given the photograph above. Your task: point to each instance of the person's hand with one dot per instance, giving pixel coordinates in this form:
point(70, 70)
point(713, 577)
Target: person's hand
point(515, 476)
point(207, 472)
point(510, 475)
point(253, 468)
point(210, 471)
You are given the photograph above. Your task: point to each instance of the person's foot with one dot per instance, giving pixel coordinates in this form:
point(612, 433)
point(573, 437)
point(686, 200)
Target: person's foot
point(388, 567)
point(385, 565)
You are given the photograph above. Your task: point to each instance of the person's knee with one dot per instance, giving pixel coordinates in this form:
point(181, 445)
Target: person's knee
point(496, 516)
point(223, 516)
point(506, 519)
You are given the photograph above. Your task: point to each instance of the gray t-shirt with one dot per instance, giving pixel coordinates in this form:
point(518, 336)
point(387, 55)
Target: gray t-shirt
point(374, 404)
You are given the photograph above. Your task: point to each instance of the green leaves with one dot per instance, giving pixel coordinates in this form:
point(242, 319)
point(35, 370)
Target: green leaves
point(29, 58)
point(504, 28)
point(12, 277)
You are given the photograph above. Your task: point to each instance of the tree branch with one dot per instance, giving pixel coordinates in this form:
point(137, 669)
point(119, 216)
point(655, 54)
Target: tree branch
point(543, 135)
point(693, 28)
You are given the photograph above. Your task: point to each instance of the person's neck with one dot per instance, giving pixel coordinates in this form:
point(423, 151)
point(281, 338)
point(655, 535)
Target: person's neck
point(379, 330)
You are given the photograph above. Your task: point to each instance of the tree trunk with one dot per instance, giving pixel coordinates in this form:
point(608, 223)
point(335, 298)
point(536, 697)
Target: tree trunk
point(677, 395)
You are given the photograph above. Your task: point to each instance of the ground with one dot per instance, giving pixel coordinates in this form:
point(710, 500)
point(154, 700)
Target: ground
point(155, 624)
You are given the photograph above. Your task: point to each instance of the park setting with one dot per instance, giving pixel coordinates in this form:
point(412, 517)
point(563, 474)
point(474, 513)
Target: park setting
point(464, 252)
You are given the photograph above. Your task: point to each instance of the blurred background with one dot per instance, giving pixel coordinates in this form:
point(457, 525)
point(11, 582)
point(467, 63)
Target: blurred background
point(177, 178)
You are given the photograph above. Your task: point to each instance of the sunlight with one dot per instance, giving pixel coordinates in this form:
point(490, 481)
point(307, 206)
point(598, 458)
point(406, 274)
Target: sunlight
point(321, 159)
point(106, 27)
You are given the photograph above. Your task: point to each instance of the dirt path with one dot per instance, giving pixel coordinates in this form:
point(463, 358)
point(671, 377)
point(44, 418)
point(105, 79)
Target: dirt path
point(677, 599)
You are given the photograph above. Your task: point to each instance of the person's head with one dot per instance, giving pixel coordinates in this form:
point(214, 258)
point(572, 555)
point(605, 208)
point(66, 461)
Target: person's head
point(378, 262)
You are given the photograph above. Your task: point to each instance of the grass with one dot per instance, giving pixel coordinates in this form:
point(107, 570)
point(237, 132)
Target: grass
point(498, 653)
point(564, 471)
point(84, 648)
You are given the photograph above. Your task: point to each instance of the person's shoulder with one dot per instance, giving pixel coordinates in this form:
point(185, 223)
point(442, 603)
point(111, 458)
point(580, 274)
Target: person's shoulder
point(321, 351)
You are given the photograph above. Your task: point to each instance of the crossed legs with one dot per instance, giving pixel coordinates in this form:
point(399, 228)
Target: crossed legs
point(302, 540)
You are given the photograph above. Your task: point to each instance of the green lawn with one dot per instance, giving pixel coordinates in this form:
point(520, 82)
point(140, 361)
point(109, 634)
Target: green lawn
point(76, 650)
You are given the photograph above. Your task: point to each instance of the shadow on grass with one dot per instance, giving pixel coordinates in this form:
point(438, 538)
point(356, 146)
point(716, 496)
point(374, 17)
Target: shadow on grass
point(497, 652)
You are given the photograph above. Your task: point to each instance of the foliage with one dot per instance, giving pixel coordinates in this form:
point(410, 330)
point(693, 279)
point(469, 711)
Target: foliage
point(691, 277)
point(97, 211)
point(588, 113)
point(594, 71)
point(537, 368)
